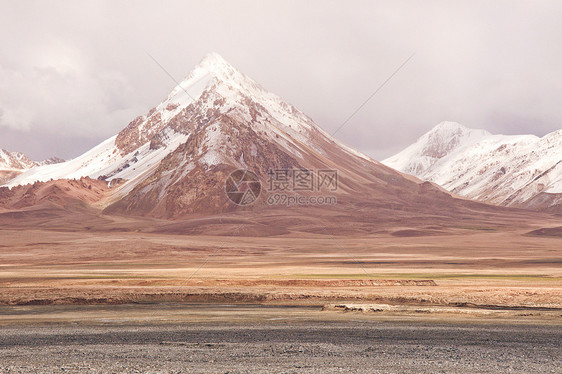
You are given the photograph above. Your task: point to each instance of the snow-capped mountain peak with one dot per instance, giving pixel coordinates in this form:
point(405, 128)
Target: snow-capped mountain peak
point(215, 106)
point(212, 69)
point(448, 136)
point(212, 66)
point(214, 83)
point(445, 138)
point(215, 64)
point(448, 127)
point(514, 170)
point(173, 159)
point(14, 161)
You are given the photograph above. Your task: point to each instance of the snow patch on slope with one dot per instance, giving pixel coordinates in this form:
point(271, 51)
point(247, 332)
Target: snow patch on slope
point(105, 161)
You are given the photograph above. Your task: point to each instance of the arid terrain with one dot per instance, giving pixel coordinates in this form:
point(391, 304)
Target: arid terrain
point(503, 267)
point(173, 238)
point(203, 338)
point(148, 216)
point(280, 187)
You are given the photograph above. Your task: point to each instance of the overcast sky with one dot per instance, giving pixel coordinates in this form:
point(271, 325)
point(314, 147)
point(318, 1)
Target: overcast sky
point(73, 73)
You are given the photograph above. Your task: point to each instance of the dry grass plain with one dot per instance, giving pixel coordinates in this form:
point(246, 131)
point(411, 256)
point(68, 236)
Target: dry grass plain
point(460, 270)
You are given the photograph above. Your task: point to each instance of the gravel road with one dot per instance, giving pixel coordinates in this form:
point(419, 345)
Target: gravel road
point(277, 347)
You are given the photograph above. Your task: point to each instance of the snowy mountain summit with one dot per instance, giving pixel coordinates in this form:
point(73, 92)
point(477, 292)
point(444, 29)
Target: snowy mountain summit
point(174, 159)
point(510, 170)
point(14, 163)
point(443, 140)
point(213, 88)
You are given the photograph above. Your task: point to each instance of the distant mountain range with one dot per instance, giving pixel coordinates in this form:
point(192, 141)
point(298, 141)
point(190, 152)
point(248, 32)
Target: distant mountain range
point(15, 163)
point(173, 160)
point(522, 171)
point(174, 163)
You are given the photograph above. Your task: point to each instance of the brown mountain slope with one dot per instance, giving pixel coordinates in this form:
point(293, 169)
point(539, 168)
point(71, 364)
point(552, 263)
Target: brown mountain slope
point(236, 124)
point(220, 121)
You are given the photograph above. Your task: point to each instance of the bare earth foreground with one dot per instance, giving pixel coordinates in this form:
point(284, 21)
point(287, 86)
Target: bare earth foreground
point(170, 338)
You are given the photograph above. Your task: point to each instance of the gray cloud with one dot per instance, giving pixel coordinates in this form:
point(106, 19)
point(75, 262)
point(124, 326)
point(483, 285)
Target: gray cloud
point(75, 73)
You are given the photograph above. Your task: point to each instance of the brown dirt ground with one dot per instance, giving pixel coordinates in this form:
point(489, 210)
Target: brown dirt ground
point(460, 267)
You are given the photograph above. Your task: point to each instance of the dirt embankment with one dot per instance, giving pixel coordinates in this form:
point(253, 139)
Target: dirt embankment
point(320, 283)
point(315, 292)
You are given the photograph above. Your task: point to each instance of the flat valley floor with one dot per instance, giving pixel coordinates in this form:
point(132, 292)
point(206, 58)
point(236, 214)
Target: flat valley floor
point(461, 267)
point(464, 300)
